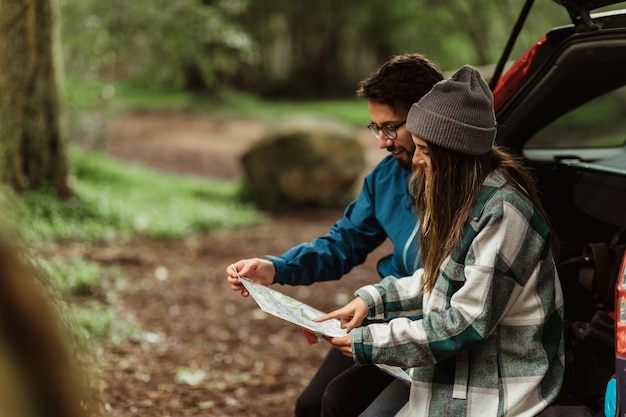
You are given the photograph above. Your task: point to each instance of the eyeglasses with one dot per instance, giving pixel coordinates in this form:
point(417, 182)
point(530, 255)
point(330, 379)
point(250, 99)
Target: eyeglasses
point(390, 132)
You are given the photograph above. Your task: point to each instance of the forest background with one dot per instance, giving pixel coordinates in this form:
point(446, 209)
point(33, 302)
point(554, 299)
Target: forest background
point(282, 48)
point(137, 255)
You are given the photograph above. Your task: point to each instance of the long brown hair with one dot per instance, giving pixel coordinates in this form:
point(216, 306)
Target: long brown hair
point(445, 198)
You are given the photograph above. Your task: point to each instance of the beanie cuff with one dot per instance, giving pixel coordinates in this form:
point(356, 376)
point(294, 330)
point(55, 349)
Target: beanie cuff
point(449, 133)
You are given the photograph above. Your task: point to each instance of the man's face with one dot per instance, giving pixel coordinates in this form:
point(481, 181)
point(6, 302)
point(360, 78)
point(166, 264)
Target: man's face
point(402, 147)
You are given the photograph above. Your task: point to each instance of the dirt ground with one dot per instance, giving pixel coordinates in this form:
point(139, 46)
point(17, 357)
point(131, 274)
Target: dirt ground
point(204, 350)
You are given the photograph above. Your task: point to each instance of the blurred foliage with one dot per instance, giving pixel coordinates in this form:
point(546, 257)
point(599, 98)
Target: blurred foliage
point(97, 322)
point(118, 201)
point(172, 43)
point(283, 48)
point(72, 275)
point(92, 323)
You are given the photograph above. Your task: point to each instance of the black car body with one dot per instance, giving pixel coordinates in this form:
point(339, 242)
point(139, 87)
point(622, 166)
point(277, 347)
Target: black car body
point(562, 106)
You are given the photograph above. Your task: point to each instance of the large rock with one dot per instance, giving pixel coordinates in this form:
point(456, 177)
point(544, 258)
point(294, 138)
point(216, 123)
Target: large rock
point(303, 162)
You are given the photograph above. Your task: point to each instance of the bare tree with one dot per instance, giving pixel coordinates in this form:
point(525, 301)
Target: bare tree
point(32, 147)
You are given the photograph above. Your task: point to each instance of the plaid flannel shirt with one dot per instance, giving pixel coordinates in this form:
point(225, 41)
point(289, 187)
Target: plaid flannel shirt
point(489, 337)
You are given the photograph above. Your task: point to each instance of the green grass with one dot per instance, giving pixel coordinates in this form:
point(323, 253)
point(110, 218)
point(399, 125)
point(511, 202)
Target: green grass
point(77, 277)
point(114, 97)
point(81, 95)
point(97, 322)
point(71, 276)
point(353, 112)
point(119, 201)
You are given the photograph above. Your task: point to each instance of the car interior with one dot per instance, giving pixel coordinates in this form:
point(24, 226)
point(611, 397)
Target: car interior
point(562, 107)
point(581, 169)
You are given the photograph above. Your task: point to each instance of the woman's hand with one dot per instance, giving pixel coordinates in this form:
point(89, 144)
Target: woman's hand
point(351, 315)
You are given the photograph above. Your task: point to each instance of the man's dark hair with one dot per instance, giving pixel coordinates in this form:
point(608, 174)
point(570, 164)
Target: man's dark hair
point(401, 81)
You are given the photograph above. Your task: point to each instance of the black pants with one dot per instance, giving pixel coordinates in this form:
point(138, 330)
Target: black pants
point(568, 411)
point(339, 388)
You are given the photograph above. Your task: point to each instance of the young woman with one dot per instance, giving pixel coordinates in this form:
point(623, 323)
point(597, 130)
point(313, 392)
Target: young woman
point(488, 337)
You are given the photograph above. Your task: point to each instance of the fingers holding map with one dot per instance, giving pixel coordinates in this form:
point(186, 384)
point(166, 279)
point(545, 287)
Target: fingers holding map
point(287, 308)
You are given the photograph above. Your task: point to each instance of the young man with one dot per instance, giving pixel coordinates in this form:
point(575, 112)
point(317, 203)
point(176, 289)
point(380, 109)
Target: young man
point(382, 210)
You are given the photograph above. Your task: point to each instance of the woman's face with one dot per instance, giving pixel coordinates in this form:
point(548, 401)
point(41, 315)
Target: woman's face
point(421, 156)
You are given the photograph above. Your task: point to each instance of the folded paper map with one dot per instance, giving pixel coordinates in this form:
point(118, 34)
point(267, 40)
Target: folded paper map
point(287, 308)
point(294, 311)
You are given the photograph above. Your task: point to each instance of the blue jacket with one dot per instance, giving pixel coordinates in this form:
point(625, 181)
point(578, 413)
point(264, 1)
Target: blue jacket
point(382, 210)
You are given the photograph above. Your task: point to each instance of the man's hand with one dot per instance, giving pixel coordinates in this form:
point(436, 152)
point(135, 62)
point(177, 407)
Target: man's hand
point(351, 315)
point(258, 270)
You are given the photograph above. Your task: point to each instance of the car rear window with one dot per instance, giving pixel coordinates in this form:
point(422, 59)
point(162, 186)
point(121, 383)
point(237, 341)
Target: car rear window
point(598, 123)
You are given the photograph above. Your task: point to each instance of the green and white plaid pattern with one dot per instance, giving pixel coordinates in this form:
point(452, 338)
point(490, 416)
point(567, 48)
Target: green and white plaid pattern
point(489, 340)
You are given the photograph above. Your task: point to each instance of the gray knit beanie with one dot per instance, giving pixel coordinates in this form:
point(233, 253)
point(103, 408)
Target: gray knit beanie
point(456, 114)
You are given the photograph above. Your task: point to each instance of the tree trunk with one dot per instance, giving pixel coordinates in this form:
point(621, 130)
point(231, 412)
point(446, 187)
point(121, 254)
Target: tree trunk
point(32, 149)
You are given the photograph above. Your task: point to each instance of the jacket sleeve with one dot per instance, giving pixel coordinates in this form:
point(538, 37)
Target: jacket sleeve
point(347, 245)
point(391, 298)
point(476, 288)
